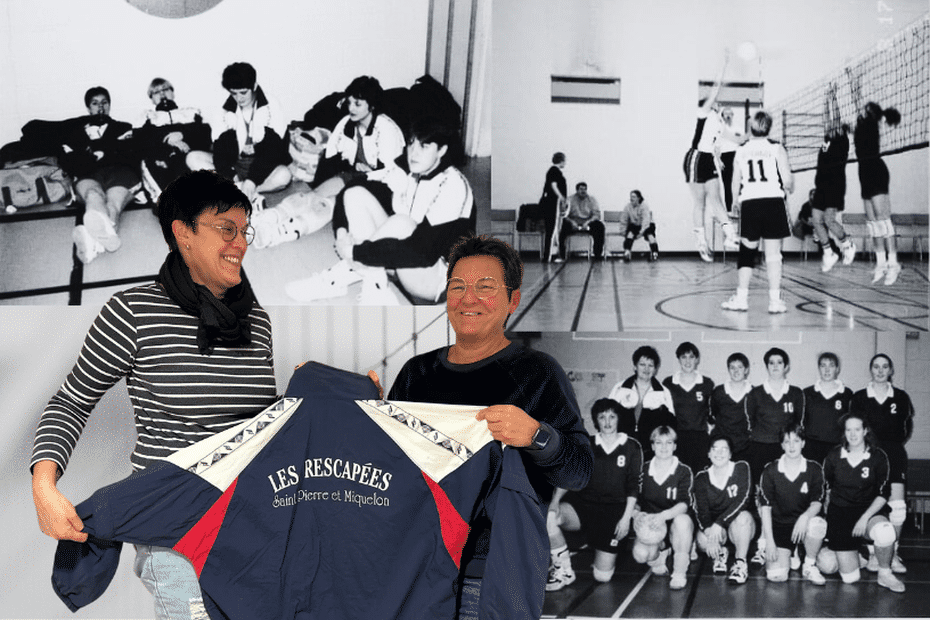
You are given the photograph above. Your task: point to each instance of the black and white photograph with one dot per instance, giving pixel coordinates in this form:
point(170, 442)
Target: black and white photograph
point(618, 127)
point(301, 104)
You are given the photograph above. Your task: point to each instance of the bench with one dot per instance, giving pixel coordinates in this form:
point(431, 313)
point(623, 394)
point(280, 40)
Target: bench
point(918, 490)
point(911, 226)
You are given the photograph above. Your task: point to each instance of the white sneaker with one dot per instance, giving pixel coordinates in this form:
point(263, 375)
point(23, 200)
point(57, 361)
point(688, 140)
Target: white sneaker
point(795, 561)
point(720, 563)
point(849, 251)
point(375, 292)
point(329, 283)
point(704, 251)
point(102, 229)
point(897, 566)
point(759, 556)
point(879, 273)
point(777, 306)
point(872, 564)
point(258, 203)
point(891, 276)
point(739, 573)
point(677, 582)
point(86, 246)
point(658, 566)
point(888, 580)
point(735, 303)
point(559, 577)
point(830, 258)
point(271, 228)
point(812, 574)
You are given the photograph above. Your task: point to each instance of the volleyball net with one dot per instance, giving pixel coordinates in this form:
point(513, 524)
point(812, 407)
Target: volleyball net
point(895, 73)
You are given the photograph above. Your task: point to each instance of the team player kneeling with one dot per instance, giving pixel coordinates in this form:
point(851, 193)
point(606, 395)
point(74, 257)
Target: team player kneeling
point(672, 511)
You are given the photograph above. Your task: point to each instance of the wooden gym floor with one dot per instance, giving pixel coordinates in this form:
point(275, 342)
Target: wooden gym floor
point(680, 291)
point(634, 592)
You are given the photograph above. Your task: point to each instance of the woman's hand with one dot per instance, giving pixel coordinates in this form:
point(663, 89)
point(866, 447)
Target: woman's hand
point(859, 529)
point(374, 379)
point(509, 424)
point(345, 245)
point(57, 517)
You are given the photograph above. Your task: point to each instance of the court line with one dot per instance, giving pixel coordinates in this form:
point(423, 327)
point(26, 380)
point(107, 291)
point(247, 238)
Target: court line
point(536, 297)
point(617, 308)
point(875, 313)
point(692, 594)
point(584, 294)
point(629, 597)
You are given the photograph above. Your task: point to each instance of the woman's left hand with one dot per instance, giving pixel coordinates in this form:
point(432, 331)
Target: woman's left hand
point(509, 424)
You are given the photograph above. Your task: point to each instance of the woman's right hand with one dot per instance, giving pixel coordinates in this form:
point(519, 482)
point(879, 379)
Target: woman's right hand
point(56, 514)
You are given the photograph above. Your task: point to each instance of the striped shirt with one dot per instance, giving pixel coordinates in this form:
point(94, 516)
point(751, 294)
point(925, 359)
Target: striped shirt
point(179, 395)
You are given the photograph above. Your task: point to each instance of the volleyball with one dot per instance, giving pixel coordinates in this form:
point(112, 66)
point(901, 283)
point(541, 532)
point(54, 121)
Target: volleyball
point(746, 51)
point(649, 528)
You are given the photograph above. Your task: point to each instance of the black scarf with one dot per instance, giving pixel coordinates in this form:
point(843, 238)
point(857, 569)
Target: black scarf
point(222, 321)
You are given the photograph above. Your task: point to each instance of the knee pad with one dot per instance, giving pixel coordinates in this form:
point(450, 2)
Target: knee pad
point(898, 511)
point(746, 256)
point(779, 573)
point(827, 562)
point(888, 228)
point(603, 575)
point(876, 229)
point(852, 577)
point(773, 258)
point(817, 528)
point(882, 534)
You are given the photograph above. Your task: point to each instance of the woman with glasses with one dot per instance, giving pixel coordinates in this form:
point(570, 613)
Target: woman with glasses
point(645, 399)
point(409, 229)
point(721, 504)
point(195, 349)
point(530, 404)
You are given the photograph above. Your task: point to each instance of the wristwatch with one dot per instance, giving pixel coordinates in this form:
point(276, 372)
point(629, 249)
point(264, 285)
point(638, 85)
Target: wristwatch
point(540, 438)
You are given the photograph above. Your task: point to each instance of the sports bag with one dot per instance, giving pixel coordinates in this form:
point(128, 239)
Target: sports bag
point(34, 182)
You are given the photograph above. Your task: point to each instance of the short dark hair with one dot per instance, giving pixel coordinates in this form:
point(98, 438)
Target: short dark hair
point(239, 75)
point(663, 431)
point(193, 193)
point(558, 157)
point(792, 427)
point(776, 351)
point(485, 245)
point(607, 404)
point(432, 130)
point(829, 355)
point(687, 347)
point(639, 194)
point(368, 89)
point(649, 353)
point(714, 438)
point(738, 357)
point(581, 184)
point(93, 91)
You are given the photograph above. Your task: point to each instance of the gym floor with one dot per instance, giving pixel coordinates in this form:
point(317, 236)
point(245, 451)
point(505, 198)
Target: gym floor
point(634, 592)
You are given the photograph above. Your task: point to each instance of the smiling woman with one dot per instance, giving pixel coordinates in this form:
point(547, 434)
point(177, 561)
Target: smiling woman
point(196, 325)
point(529, 403)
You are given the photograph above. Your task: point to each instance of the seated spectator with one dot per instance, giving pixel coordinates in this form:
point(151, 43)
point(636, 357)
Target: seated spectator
point(604, 508)
point(363, 141)
point(409, 229)
point(165, 137)
point(584, 216)
point(99, 156)
point(248, 143)
point(636, 221)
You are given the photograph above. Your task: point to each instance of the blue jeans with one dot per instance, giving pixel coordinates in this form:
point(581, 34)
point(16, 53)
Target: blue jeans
point(171, 579)
point(471, 592)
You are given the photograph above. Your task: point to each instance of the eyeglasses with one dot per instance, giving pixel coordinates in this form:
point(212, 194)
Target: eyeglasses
point(484, 288)
point(161, 89)
point(229, 231)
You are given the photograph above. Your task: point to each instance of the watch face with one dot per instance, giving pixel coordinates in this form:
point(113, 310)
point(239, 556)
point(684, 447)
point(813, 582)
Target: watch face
point(541, 438)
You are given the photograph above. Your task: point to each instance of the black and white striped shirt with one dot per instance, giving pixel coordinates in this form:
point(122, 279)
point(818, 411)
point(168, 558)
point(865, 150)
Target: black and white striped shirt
point(179, 395)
